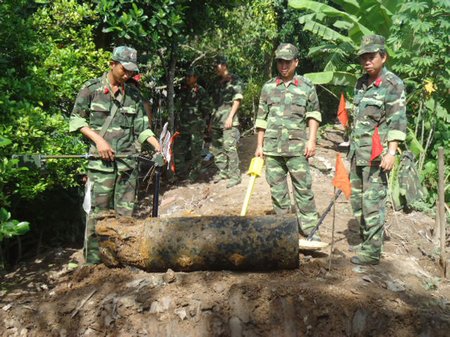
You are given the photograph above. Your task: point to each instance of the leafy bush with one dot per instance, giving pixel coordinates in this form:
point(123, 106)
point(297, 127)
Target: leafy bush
point(50, 53)
point(10, 228)
point(420, 40)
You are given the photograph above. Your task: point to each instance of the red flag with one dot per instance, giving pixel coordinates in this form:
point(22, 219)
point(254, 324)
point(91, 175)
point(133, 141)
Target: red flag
point(341, 179)
point(342, 112)
point(377, 147)
point(172, 159)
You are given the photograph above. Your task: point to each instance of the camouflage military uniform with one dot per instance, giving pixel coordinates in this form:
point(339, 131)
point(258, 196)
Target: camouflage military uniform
point(114, 183)
point(283, 113)
point(382, 104)
point(224, 142)
point(193, 107)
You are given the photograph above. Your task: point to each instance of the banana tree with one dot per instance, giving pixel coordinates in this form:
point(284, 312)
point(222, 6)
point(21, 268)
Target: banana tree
point(341, 27)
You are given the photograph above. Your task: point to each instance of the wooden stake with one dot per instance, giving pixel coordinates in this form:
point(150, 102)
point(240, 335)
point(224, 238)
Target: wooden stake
point(82, 303)
point(441, 210)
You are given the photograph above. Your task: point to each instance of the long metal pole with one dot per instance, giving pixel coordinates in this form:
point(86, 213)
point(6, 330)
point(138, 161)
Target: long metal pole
point(441, 210)
point(156, 192)
point(324, 214)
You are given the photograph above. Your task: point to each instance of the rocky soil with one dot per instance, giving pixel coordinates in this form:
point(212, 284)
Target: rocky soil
point(404, 296)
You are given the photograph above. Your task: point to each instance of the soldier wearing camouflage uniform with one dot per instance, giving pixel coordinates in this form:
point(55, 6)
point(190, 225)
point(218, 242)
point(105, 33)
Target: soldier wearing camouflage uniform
point(379, 101)
point(192, 110)
point(114, 180)
point(289, 103)
point(227, 97)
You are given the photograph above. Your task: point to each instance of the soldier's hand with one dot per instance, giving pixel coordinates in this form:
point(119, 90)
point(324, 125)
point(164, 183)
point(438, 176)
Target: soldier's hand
point(105, 150)
point(259, 152)
point(154, 142)
point(310, 149)
point(387, 162)
point(228, 123)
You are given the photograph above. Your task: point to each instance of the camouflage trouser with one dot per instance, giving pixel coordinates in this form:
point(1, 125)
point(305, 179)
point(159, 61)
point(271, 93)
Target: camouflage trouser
point(187, 151)
point(224, 149)
point(277, 169)
point(110, 191)
point(369, 191)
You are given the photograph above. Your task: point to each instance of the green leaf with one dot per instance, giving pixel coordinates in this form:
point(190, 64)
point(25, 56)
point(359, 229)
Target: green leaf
point(4, 141)
point(72, 265)
point(332, 77)
point(325, 32)
point(4, 215)
point(110, 29)
point(348, 5)
point(340, 24)
point(22, 227)
point(436, 108)
point(413, 143)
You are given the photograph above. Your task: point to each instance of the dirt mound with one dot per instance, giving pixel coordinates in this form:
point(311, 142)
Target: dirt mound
point(327, 296)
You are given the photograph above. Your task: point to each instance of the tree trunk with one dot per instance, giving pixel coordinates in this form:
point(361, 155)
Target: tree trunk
point(200, 243)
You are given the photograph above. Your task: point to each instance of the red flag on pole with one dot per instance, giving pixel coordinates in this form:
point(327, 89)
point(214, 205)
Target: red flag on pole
point(342, 112)
point(377, 147)
point(341, 179)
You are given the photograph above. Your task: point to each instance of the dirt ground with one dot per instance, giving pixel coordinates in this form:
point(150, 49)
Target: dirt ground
point(404, 296)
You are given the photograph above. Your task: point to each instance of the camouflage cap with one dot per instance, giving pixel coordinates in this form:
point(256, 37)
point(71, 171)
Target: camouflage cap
point(127, 57)
point(286, 51)
point(220, 60)
point(191, 72)
point(371, 44)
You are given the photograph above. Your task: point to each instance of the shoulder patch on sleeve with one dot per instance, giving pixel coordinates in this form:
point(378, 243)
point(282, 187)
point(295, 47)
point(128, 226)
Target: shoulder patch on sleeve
point(393, 79)
point(92, 82)
point(305, 80)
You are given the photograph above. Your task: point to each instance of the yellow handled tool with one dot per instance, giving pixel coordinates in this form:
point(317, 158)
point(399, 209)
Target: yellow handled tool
point(255, 170)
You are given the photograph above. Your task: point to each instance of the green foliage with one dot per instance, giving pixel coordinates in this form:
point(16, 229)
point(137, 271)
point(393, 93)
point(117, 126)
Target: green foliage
point(36, 104)
point(143, 22)
point(10, 227)
point(66, 53)
point(338, 78)
point(420, 39)
point(341, 27)
point(246, 35)
point(49, 54)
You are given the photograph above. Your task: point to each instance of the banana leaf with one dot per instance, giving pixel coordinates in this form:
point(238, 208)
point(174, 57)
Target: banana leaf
point(332, 77)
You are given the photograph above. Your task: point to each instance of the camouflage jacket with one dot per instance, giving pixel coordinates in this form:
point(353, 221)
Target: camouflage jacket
point(283, 113)
point(382, 104)
point(130, 123)
point(224, 93)
point(193, 107)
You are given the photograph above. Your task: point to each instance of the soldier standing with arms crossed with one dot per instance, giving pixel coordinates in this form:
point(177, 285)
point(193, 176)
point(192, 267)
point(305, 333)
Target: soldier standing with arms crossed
point(379, 104)
point(110, 114)
point(227, 97)
point(289, 103)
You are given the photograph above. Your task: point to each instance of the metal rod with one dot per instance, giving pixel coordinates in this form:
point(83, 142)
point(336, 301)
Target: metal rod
point(156, 192)
point(441, 209)
point(324, 214)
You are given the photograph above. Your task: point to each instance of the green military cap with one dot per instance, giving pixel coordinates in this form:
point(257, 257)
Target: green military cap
point(127, 57)
point(221, 60)
point(371, 44)
point(192, 72)
point(286, 51)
